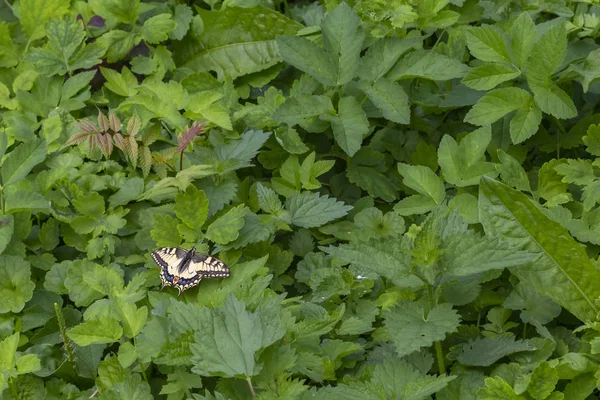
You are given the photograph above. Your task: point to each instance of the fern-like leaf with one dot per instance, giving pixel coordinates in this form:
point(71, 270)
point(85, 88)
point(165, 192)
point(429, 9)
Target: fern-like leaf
point(132, 150)
point(103, 122)
point(114, 122)
point(134, 125)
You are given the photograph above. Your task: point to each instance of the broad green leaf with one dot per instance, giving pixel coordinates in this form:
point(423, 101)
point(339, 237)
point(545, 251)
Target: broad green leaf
point(8, 348)
point(563, 272)
point(297, 108)
point(552, 100)
point(588, 69)
point(268, 200)
point(487, 44)
point(118, 43)
point(36, 13)
point(427, 64)
point(123, 83)
point(129, 191)
point(488, 76)
point(21, 160)
point(183, 17)
point(308, 57)
point(410, 329)
point(227, 227)
point(547, 54)
point(463, 164)
point(156, 29)
point(415, 204)
point(383, 257)
point(498, 389)
point(228, 52)
point(512, 172)
point(289, 139)
point(206, 104)
point(309, 210)
point(132, 318)
point(525, 123)
point(423, 180)
point(350, 125)
point(6, 231)
point(237, 335)
point(469, 253)
point(343, 37)
point(522, 38)
point(390, 98)
point(28, 363)
point(382, 55)
point(191, 207)
point(49, 234)
point(592, 139)
point(102, 330)
point(496, 104)
point(16, 287)
point(373, 181)
point(486, 351)
point(21, 200)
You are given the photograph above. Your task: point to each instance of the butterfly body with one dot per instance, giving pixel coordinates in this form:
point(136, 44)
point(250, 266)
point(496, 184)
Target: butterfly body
point(184, 269)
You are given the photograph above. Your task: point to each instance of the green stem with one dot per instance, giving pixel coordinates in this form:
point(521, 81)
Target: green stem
point(249, 380)
point(62, 327)
point(439, 352)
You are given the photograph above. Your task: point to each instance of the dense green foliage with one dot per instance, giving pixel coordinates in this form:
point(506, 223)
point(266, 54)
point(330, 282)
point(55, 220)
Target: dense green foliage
point(406, 191)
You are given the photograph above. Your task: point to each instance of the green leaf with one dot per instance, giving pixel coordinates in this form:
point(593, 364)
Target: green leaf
point(156, 29)
point(236, 335)
point(191, 207)
point(8, 348)
point(487, 44)
point(118, 43)
point(463, 164)
point(227, 52)
point(268, 200)
point(522, 38)
point(28, 363)
point(36, 13)
point(165, 232)
point(423, 180)
point(390, 98)
point(183, 17)
point(6, 231)
point(308, 57)
point(410, 329)
point(496, 104)
point(383, 257)
point(131, 189)
point(548, 53)
point(497, 389)
point(22, 159)
point(309, 210)
point(382, 55)
point(427, 64)
point(132, 318)
point(123, 83)
point(294, 110)
point(101, 330)
point(563, 272)
point(21, 200)
point(16, 287)
point(343, 37)
point(512, 172)
point(488, 76)
point(525, 123)
point(486, 351)
point(350, 125)
point(49, 235)
point(592, 139)
point(552, 100)
point(227, 227)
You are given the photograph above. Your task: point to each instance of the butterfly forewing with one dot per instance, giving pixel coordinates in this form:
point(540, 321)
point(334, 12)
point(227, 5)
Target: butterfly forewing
point(209, 267)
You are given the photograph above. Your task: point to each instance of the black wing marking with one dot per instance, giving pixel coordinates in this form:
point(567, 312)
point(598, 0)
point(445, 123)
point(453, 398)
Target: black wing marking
point(208, 266)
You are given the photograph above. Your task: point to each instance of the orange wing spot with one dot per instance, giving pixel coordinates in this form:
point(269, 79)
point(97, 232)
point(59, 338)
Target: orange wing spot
point(175, 279)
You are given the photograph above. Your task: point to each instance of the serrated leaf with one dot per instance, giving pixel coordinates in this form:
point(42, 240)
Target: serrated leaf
point(156, 29)
point(227, 227)
point(102, 330)
point(423, 180)
point(16, 287)
point(488, 76)
point(350, 125)
point(191, 207)
point(36, 13)
point(21, 160)
point(486, 351)
point(487, 44)
point(309, 210)
point(497, 103)
point(390, 98)
point(410, 329)
point(427, 64)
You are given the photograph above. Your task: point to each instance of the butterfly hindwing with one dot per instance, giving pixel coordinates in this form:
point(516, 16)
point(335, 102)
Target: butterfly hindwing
point(184, 269)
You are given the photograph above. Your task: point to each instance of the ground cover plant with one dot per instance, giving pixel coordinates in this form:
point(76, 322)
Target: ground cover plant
point(406, 194)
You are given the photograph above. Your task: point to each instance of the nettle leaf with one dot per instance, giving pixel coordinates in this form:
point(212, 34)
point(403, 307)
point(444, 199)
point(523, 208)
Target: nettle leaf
point(191, 207)
point(236, 335)
point(410, 328)
point(309, 210)
point(486, 351)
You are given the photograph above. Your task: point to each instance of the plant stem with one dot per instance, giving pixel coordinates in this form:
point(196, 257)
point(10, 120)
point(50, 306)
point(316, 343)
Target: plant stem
point(249, 380)
point(439, 353)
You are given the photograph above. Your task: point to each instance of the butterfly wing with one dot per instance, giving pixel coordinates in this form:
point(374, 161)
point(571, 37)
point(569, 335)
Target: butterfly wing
point(183, 270)
point(208, 266)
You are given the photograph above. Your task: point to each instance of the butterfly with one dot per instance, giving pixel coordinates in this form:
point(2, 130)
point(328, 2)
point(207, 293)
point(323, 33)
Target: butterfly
point(183, 269)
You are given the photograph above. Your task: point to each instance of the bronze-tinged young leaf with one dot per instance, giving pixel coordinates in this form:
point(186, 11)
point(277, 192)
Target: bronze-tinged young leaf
point(131, 148)
point(103, 122)
point(564, 271)
point(114, 122)
point(134, 125)
point(145, 160)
